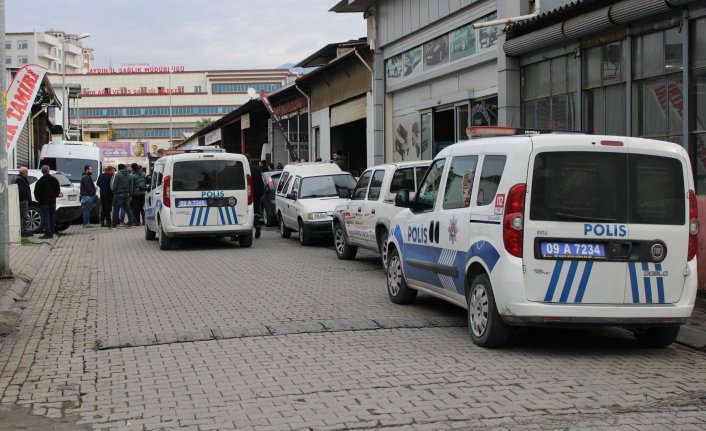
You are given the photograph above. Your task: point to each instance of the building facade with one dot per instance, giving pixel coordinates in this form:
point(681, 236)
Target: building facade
point(45, 49)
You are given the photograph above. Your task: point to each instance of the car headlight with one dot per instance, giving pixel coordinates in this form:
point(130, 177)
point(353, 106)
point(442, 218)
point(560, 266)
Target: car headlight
point(317, 216)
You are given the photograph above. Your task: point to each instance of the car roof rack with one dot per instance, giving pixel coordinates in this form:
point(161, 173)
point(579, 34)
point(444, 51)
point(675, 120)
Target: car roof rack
point(497, 131)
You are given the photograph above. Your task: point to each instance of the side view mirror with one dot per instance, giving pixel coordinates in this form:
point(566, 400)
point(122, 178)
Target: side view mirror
point(402, 199)
point(148, 187)
point(344, 193)
point(292, 196)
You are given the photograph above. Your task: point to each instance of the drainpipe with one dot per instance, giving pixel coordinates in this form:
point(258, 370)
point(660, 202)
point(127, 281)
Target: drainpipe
point(308, 119)
point(537, 11)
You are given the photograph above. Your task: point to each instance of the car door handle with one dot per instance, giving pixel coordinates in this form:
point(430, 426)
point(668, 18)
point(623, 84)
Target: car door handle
point(437, 232)
point(373, 211)
point(360, 209)
point(431, 231)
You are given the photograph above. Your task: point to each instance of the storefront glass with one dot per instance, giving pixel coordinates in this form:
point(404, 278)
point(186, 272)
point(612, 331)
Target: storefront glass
point(698, 103)
point(548, 93)
point(604, 89)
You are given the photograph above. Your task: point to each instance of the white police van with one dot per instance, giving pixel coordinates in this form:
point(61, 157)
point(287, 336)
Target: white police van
point(552, 229)
point(202, 192)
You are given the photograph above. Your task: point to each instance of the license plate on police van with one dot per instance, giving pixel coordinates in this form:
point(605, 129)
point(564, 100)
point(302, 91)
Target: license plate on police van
point(572, 250)
point(191, 203)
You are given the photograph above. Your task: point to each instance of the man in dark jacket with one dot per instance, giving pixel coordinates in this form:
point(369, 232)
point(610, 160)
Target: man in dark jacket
point(121, 186)
point(106, 195)
point(87, 194)
point(25, 198)
point(46, 190)
point(258, 190)
point(139, 187)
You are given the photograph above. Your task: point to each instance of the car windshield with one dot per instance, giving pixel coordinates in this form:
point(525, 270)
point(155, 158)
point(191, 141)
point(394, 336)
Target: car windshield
point(72, 168)
point(63, 181)
point(326, 185)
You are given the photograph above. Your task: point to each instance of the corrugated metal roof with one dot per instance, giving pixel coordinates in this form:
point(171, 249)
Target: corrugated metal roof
point(551, 16)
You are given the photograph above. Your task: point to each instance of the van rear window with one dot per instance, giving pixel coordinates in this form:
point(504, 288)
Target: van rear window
point(608, 187)
point(203, 175)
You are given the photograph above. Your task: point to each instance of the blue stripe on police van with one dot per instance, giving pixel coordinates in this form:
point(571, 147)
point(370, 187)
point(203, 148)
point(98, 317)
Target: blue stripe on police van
point(205, 217)
point(553, 282)
point(584, 281)
point(235, 215)
point(220, 212)
point(227, 211)
point(660, 284)
point(193, 213)
point(648, 284)
point(198, 217)
point(569, 281)
point(633, 283)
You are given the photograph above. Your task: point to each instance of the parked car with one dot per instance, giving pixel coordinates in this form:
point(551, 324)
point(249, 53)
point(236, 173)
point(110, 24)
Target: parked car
point(269, 212)
point(68, 206)
point(306, 197)
point(364, 219)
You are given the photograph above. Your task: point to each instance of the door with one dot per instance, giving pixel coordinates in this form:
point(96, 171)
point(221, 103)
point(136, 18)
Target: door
point(153, 199)
point(420, 230)
point(352, 216)
point(291, 205)
point(371, 204)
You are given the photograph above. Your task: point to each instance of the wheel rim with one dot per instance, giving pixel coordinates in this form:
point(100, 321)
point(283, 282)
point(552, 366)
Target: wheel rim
point(384, 252)
point(34, 220)
point(394, 276)
point(339, 240)
point(301, 232)
point(281, 226)
point(478, 310)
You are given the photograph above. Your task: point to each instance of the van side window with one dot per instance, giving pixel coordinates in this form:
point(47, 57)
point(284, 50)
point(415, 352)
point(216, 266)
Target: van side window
point(404, 179)
point(282, 182)
point(157, 176)
point(490, 176)
point(459, 182)
point(295, 186)
point(376, 185)
point(420, 171)
point(362, 187)
point(286, 184)
point(429, 188)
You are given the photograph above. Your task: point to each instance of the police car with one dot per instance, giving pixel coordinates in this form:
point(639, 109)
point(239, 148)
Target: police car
point(552, 229)
point(203, 192)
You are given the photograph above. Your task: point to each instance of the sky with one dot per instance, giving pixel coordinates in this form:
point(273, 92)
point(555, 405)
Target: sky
point(196, 34)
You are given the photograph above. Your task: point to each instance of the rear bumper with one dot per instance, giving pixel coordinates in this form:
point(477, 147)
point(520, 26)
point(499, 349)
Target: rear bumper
point(68, 213)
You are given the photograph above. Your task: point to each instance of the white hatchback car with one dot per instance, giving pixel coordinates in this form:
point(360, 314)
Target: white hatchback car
point(200, 193)
point(306, 197)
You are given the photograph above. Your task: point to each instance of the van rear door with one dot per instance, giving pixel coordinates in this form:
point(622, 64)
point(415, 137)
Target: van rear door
point(209, 191)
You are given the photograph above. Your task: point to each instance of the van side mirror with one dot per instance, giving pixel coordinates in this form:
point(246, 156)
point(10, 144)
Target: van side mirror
point(292, 196)
point(402, 199)
point(344, 193)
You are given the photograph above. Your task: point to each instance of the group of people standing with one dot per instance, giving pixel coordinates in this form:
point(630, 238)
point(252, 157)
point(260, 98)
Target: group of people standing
point(122, 194)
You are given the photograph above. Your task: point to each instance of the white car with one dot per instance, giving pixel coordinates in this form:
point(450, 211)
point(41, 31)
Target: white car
point(201, 193)
point(552, 229)
point(364, 219)
point(306, 197)
point(68, 206)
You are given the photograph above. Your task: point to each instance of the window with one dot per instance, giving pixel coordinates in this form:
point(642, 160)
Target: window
point(197, 88)
point(697, 141)
point(22, 44)
point(484, 112)
point(461, 122)
point(94, 135)
point(459, 182)
point(604, 89)
point(22, 59)
point(490, 176)
point(157, 176)
point(362, 187)
point(243, 88)
point(429, 187)
point(295, 186)
point(420, 171)
point(376, 185)
point(548, 94)
point(283, 183)
point(326, 185)
point(8, 60)
point(202, 175)
point(8, 44)
point(403, 179)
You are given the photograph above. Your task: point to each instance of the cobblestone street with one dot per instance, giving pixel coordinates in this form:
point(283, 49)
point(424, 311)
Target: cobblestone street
point(120, 335)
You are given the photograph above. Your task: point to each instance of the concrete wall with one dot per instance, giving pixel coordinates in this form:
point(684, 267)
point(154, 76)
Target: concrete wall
point(321, 119)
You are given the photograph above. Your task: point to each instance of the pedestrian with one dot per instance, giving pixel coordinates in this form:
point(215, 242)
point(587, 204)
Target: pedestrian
point(139, 187)
point(258, 190)
point(46, 190)
point(25, 198)
point(106, 195)
point(87, 194)
point(338, 160)
point(263, 166)
point(270, 167)
point(121, 185)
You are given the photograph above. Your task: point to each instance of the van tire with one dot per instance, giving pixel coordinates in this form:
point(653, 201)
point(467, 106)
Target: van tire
point(284, 231)
point(343, 249)
point(658, 337)
point(397, 287)
point(165, 243)
point(150, 235)
point(304, 237)
point(484, 323)
point(383, 249)
point(245, 240)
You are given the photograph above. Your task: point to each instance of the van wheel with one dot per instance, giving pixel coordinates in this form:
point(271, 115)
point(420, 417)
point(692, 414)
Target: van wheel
point(284, 231)
point(397, 287)
point(245, 240)
point(33, 223)
point(304, 238)
point(149, 235)
point(343, 250)
point(165, 243)
point(658, 337)
point(383, 250)
point(484, 323)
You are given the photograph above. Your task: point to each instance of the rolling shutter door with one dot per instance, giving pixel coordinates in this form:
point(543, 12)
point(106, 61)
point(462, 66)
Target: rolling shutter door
point(348, 112)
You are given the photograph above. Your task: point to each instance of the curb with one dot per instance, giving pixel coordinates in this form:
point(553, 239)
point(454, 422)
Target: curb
point(24, 278)
point(692, 336)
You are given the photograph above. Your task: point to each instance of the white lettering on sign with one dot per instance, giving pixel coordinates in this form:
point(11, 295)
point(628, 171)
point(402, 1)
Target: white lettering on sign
point(140, 69)
point(20, 96)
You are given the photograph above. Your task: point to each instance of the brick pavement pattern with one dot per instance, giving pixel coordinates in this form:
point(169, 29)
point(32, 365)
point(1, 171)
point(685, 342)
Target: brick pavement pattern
point(280, 337)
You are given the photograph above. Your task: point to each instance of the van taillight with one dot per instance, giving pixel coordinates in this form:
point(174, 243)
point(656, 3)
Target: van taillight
point(61, 195)
point(250, 198)
point(693, 225)
point(514, 220)
point(167, 197)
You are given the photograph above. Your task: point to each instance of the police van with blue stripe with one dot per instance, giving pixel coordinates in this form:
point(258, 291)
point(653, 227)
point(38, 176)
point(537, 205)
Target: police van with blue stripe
point(561, 229)
point(201, 192)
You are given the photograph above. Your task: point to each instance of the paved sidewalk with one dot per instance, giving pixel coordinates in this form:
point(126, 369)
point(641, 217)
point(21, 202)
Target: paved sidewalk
point(693, 334)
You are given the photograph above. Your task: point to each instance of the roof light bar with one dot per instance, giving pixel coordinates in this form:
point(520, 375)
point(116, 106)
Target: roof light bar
point(494, 131)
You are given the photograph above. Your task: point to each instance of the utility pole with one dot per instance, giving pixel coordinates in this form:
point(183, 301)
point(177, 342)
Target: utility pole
point(5, 270)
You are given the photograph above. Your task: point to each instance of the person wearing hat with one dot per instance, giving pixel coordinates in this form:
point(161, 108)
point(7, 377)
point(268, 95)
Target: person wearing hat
point(139, 187)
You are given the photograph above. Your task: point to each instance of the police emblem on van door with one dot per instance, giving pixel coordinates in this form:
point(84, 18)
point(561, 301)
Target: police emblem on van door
point(453, 229)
